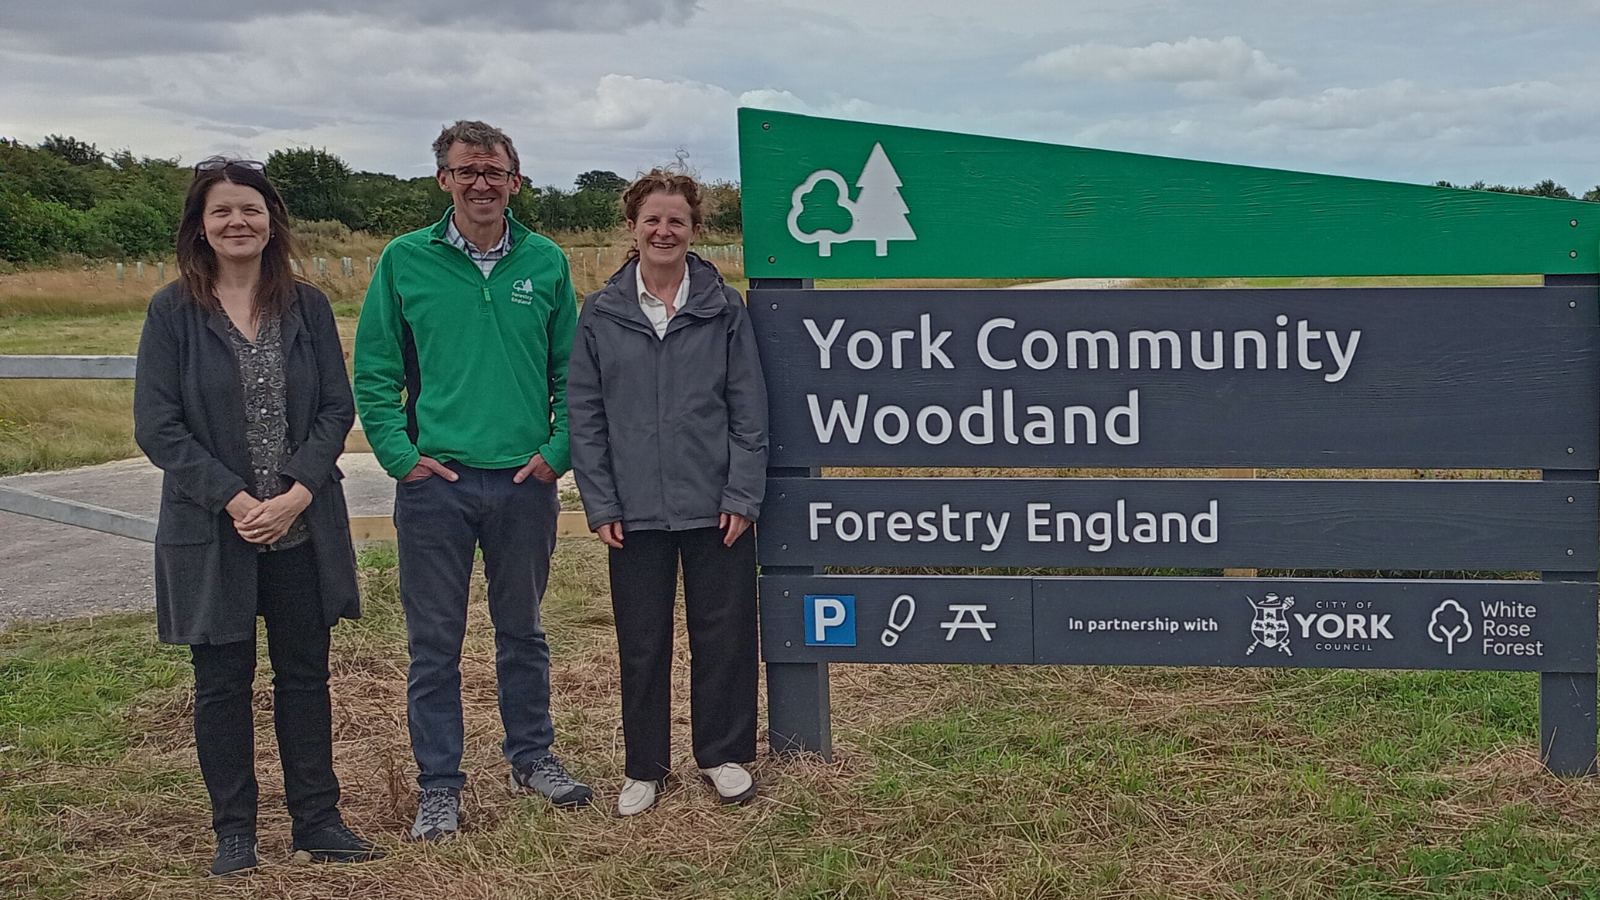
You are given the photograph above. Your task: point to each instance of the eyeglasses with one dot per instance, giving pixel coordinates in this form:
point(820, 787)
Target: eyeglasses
point(211, 164)
point(465, 177)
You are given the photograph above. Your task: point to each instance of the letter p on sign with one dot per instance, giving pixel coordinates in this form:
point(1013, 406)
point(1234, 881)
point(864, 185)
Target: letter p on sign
point(830, 620)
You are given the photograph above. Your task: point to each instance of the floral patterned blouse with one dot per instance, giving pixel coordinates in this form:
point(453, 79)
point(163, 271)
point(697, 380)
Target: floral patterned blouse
point(266, 420)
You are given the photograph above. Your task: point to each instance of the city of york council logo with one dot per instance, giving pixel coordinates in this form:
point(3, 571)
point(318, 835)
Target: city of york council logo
point(522, 292)
point(1269, 628)
point(877, 213)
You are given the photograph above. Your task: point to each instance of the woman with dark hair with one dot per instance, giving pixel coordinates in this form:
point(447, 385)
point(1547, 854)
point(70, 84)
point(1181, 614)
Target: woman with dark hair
point(668, 416)
point(242, 399)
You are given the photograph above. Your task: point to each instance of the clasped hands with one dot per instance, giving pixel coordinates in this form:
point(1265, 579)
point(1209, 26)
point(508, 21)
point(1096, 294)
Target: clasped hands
point(267, 521)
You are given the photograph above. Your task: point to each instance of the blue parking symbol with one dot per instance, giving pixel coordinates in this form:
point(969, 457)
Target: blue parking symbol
point(830, 620)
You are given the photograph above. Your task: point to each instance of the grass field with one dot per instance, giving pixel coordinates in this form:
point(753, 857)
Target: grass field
point(948, 782)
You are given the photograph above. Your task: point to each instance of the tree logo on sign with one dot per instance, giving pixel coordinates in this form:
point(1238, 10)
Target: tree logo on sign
point(1449, 625)
point(878, 212)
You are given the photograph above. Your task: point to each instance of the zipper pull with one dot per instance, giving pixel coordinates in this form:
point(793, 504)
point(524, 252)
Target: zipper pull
point(487, 300)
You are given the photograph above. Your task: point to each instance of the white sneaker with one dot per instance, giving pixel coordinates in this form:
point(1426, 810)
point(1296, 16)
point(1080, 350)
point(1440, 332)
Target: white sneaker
point(732, 781)
point(636, 797)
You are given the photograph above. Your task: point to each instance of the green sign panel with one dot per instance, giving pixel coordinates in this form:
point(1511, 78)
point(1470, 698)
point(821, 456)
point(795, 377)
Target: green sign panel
point(824, 198)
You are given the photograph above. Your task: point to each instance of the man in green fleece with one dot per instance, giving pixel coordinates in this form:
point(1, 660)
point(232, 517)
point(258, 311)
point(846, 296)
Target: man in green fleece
point(461, 382)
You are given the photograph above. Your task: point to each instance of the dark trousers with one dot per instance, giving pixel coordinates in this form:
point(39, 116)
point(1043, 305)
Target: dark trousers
point(288, 598)
point(439, 524)
point(719, 588)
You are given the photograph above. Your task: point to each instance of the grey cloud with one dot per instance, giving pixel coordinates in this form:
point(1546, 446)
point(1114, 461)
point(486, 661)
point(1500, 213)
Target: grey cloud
point(241, 131)
point(229, 118)
point(112, 28)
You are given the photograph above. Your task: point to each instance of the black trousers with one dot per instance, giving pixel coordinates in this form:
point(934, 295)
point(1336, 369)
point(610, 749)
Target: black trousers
point(288, 598)
point(719, 587)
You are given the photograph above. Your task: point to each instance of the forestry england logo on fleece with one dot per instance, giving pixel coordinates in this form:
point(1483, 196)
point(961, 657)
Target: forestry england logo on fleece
point(877, 214)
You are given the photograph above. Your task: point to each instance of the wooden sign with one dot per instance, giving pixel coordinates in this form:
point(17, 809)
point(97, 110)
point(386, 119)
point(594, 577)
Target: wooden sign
point(1524, 626)
point(1194, 523)
point(824, 198)
point(1337, 379)
point(1159, 378)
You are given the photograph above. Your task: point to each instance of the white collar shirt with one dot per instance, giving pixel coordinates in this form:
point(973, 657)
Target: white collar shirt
point(654, 309)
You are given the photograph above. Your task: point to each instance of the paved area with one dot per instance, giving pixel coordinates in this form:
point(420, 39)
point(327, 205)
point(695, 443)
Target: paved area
point(50, 571)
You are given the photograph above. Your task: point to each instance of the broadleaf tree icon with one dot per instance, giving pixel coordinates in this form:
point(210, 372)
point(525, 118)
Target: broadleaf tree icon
point(1449, 624)
point(878, 213)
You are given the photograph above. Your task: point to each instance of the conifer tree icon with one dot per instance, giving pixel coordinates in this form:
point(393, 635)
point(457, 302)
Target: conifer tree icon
point(878, 213)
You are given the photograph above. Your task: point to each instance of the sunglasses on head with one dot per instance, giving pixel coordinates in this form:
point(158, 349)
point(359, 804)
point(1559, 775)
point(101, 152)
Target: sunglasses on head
point(213, 163)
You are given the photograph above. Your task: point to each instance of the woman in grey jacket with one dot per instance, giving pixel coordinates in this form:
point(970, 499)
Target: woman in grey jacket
point(241, 398)
point(668, 416)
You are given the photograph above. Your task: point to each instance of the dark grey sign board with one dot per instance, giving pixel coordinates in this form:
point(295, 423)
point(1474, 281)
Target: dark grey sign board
point(1323, 623)
point(1505, 377)
point(1136, 523)
point(1524, 626)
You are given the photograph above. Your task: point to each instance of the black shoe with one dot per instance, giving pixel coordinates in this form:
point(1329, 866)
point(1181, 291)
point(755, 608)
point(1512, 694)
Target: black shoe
point(336, 844)
point(236, 856)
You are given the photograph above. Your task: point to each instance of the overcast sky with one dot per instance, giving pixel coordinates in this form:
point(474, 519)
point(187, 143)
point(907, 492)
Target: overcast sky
point(1406, 90)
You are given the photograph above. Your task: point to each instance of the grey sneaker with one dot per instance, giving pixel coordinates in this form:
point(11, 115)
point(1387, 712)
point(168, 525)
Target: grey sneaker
point(546, 776)
point(438, 814)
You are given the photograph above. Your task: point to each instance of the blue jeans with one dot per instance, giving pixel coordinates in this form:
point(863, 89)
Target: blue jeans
point(439, 524)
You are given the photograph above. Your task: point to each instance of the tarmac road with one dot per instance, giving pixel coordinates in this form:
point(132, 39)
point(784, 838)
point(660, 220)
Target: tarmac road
point(51, 571)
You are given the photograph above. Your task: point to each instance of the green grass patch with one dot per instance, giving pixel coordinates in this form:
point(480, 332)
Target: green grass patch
point(113, 333)
point(65, 687)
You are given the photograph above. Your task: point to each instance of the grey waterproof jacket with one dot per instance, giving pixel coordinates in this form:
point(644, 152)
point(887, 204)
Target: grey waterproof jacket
point(669, 432)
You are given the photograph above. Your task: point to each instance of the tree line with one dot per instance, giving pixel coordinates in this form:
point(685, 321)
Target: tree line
point(66, 196)
point(1545, 188)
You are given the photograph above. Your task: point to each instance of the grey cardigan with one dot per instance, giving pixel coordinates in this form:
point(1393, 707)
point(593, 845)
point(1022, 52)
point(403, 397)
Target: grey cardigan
point(188, 417)
point(667, 433)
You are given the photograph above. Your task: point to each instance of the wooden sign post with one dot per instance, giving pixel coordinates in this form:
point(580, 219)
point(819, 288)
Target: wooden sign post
point(1351, 378)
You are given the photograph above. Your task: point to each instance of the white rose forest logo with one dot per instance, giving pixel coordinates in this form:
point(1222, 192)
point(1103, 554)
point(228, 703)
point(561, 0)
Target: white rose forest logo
point(877, 214)
point(1449, 625)
point(1269, 628)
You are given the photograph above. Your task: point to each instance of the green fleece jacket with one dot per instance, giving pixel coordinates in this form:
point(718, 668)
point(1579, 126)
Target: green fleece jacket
point(456, 366)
